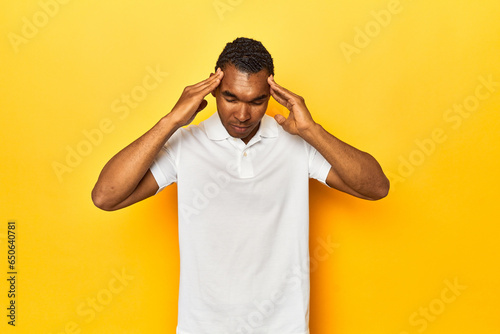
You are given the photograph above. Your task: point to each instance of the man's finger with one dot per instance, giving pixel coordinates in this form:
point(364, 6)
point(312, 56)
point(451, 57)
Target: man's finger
point(217, 75)
point(205, 90)
point(279, 97)
point(280, 119)
point(287, 93)
point(275, 86)
point(278, 92)
point(210, 84)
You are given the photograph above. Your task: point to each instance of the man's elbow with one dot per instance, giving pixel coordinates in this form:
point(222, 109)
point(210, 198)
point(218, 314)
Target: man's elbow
point(101, 201)
point(381, 190)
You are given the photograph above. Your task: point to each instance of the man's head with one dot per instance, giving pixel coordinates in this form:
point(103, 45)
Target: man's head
point(243, 93)
point(247, 55)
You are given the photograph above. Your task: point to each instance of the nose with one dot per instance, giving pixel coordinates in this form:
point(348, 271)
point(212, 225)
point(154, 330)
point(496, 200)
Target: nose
point(243, 113)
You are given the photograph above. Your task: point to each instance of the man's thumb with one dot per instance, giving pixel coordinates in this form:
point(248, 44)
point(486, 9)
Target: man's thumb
point(280, 119)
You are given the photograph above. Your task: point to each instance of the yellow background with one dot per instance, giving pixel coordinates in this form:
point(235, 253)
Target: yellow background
point(392, 258)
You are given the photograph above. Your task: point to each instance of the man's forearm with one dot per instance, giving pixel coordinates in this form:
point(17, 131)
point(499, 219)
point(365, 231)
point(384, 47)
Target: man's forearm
point(357, 169)
point(121, 175)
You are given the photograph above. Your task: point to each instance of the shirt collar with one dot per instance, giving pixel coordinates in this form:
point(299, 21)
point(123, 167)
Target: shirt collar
point(216, 131)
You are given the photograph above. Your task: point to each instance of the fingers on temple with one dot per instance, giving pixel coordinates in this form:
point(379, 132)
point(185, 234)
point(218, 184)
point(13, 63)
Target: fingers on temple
point(280, 95)
point(284, 92)
point(210, 80)
point(274, 84)
point(277, 88)
point(209, 84)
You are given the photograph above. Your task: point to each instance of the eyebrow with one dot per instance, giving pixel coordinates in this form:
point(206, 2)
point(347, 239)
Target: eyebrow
point(229, 94)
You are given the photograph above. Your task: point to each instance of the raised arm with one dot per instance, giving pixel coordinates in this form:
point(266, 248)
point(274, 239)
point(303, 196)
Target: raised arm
point(353, 171)
point(126, 178)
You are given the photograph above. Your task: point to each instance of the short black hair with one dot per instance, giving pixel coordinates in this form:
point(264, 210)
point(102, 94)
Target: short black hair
point(247, 55)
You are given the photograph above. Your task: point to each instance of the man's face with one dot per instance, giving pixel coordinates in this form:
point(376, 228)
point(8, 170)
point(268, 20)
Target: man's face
point(242, 100)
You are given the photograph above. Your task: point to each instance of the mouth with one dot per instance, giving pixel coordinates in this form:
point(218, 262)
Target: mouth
point(240, 129)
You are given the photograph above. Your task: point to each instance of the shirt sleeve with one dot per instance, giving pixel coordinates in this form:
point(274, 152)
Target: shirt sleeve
point(318, 166)
point(164, 166)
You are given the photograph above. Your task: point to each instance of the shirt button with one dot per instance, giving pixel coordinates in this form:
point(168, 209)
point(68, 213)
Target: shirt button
point(245, 154)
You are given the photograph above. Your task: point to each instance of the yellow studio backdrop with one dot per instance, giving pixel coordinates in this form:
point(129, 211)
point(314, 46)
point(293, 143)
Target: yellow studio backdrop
point(414, 83)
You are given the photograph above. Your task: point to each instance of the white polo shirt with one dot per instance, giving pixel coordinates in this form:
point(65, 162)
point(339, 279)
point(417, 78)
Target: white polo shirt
point(243, 227)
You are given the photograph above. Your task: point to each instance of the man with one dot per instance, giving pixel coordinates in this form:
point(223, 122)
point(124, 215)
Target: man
point(242, 181)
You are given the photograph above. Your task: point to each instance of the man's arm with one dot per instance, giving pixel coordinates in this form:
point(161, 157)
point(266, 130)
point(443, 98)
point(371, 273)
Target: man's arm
point(353, 171)
point(126, 178)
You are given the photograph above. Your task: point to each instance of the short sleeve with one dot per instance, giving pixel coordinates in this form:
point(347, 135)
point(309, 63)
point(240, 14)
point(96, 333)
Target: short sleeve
point(164, 166)
point(318, 166)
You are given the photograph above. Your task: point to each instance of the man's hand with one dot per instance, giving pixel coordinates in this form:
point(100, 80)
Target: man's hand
point(299, 120)
point(192, 100)
point(126, 178)
point(353, 171)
